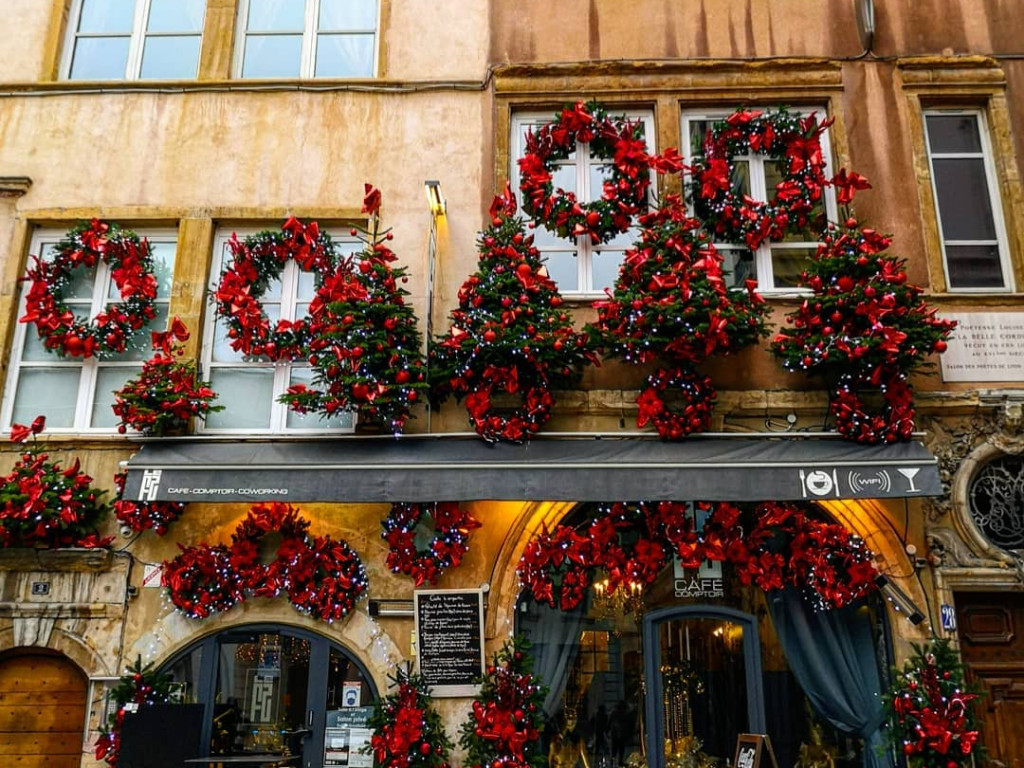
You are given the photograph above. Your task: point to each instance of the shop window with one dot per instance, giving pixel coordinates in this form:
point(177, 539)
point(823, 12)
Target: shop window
point(967, 201)
point(310, 38)
point(76, 395)
point(273, 690)
point(719, 666)
point(134, 39)
point(996, 502)
point(248, 387)
point(577, 265)
point(775, 266)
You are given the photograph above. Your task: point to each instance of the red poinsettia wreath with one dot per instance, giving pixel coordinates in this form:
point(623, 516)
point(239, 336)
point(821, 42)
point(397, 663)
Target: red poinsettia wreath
point(139, 516)
point(450, 541)
point(43, 504)
point(322, 576)
point(614, 139)
point(256, 262)
point(771, 546)
point(407, 731)
point(167, 393)
point(791, 142)
point(130, 260)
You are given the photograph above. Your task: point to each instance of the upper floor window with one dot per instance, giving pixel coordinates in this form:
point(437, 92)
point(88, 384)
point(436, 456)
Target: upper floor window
point(776, 266)
point(577, 265)
point(76, 395)
point(307, 38)
point(967, 198)
point(248, 387)
point(134, 39)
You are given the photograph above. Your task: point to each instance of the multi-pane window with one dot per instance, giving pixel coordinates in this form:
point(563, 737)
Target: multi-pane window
point(248, 387)
point(775, 266)
point(307, 38)
point(577, 265)
point(970, 220)
point(76, 395)
point(134, 39)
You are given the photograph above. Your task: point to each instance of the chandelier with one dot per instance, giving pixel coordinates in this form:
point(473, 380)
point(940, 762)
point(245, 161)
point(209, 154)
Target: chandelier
point(615, 604)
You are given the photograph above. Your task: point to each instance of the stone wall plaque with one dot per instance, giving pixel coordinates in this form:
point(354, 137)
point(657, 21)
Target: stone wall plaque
point(986, 346)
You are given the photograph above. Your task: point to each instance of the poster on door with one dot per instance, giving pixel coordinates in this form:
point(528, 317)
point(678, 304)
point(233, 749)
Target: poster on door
point(345, 736)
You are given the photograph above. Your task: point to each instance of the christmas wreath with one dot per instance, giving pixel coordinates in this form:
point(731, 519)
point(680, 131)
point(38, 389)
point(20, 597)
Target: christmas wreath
point(141, 515)
point(692, 414)
point(44, 504)
point(140, 686)
point(167, 393)
point(407, 730)
point(451, 526)
point(131, 267)
point(792, 142)
point(322, 577)
point(256, 262)
point(929, 709)
point(509, 334)
point(771, 546)
point(616, 140)
point(865, 328)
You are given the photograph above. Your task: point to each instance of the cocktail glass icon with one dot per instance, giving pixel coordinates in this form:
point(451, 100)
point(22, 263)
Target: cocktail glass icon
point(910, 473)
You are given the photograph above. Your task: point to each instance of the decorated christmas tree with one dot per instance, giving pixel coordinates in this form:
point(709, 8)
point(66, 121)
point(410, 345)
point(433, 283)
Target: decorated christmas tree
point(929, 709)
point(167, 393)
point(671, 304)
point(366, 349)
point(865, 328)
point(407, 730)
point(509, 335)
point(502, 731)
point(43, 504)
point(140, 686)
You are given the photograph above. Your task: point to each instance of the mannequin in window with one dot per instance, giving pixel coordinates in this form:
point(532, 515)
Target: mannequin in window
point(568, 749)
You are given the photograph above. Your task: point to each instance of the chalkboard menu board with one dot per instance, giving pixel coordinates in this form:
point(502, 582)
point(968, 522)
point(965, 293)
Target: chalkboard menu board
point(450, 640)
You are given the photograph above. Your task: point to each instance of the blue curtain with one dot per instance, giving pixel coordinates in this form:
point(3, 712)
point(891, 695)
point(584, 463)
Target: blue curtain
point(832, 656)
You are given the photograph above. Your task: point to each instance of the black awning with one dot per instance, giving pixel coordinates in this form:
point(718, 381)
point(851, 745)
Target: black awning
point(432, 468)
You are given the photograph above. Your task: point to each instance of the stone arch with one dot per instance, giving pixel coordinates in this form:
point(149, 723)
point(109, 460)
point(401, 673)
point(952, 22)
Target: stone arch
point(73, 646)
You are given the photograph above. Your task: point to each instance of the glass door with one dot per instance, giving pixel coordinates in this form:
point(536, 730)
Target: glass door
point(703, 667)
point(271, 690)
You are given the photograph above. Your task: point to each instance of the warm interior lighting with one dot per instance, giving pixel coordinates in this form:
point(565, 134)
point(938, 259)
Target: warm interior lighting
point(434, 198)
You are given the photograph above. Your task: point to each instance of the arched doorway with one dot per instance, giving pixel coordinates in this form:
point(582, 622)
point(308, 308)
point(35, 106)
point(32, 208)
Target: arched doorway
point(273, 688)
point(42, 710)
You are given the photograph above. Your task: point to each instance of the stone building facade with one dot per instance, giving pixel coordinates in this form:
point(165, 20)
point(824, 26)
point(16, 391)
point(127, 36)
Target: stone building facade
point(188, 121)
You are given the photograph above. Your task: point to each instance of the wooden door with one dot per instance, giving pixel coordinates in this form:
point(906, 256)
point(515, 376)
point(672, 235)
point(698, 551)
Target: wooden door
point(42, 711)
point(991, 628)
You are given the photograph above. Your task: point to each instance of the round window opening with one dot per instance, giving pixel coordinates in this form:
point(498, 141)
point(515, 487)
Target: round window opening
point(996, 500)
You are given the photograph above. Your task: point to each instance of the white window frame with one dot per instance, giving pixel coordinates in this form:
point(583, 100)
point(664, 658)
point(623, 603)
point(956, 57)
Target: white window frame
point(136, 44)
point(585, 250)
point(282, 369)
point(995, 199)
point(310, 37)
point(759, 191)
point(89, 367)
